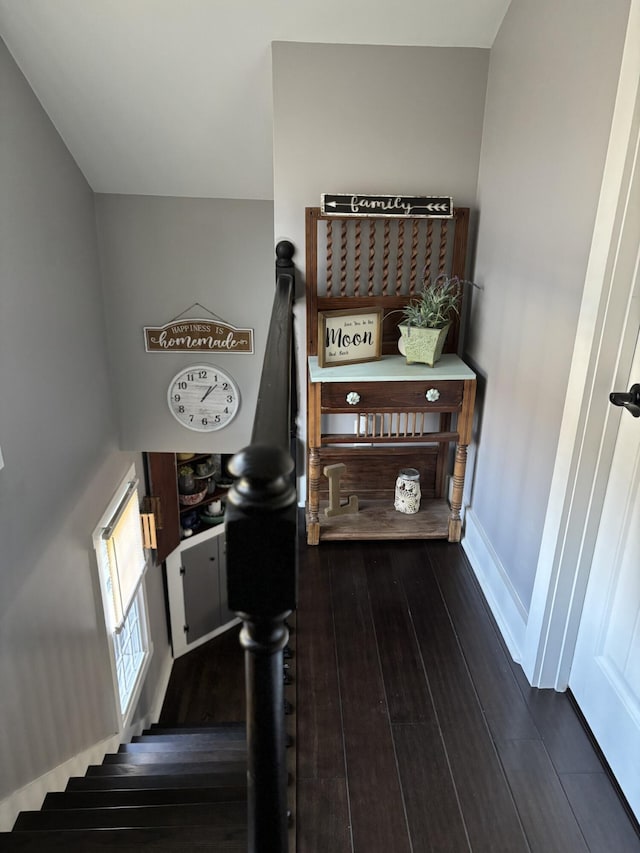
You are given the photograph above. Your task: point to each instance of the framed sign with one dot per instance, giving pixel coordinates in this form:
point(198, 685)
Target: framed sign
point(195, 335)
point(348, 337)
point(400, 206)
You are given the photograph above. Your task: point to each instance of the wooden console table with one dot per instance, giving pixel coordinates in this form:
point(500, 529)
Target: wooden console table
point(400, 416)
point(388, 423)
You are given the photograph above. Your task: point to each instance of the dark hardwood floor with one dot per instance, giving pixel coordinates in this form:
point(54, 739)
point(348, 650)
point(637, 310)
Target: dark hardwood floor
point(207, 684)
point(415, 730)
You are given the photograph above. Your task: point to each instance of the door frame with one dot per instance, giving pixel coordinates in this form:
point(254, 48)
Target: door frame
point(589, 423)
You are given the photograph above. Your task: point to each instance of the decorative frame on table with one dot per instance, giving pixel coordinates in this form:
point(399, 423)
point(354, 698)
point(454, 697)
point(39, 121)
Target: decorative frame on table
point(349, 337)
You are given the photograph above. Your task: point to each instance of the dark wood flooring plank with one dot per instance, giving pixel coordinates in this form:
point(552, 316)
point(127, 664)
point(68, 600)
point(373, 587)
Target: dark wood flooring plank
point(323, 817)
point(548, 819)
point(489, 812)
point(435, 821)
point(207, 684)
point(221, 689)
point(370, 758)
point(603, 819)
point(405, 685)
point(489, 662)
point(562, 732)
point(318, 715)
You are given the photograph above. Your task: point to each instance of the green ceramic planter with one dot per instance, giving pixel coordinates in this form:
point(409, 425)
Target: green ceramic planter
point(421, 345)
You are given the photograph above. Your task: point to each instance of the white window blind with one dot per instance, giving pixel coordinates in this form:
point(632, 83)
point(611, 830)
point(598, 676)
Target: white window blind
point(125, 557)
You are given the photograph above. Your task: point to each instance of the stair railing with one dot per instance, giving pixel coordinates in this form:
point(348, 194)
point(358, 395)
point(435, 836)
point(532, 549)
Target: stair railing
point(261, 566)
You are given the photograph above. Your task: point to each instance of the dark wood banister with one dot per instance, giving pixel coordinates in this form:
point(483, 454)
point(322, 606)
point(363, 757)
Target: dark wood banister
point(261, 566)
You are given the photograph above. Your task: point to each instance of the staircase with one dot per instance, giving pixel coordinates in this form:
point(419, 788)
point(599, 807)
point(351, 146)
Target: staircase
point(182, 788)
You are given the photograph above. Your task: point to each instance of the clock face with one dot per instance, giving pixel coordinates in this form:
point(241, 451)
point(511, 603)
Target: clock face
point(203, 398)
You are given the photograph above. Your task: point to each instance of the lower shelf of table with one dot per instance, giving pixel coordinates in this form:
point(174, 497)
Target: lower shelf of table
point(379, 520)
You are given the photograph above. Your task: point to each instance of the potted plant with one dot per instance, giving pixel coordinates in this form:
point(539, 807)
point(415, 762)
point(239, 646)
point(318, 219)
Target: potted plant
point(427, 319)
point(186, 482)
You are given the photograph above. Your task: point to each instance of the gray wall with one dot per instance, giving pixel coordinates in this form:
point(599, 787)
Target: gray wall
point(62, 463)
point(552, 83)
point(159, 256)
point(360, 118)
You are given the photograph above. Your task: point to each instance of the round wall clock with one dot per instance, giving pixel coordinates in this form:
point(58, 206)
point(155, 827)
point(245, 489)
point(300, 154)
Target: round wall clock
point(203, 397)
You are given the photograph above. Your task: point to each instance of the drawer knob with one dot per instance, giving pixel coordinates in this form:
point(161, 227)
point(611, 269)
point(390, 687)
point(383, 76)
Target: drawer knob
point(353, 398)
point(432, 395)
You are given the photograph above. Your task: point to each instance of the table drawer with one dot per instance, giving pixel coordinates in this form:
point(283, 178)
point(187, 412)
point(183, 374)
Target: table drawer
point(392, 396)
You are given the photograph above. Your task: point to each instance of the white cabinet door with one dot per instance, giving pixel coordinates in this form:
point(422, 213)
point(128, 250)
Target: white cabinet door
point(201, 589)
point(197, 591)
point(605, 676)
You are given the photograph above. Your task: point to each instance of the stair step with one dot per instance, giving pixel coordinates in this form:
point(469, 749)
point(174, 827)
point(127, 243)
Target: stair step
point(167, 839)
point(182, 745)
point(195, 728)
point(130, 755)
point(230, 736)
point(143, 797)
point(222, 815)
point(233, 777)
point(176, 768)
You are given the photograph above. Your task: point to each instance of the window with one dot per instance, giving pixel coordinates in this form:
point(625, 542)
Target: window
point(121, 564)
point(130, 651)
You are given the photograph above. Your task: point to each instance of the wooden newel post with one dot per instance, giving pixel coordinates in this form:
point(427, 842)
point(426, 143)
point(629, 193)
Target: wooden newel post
point(262, 586)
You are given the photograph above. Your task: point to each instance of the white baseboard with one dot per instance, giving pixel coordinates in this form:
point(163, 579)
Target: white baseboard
point(507, 609)
point(30, 797)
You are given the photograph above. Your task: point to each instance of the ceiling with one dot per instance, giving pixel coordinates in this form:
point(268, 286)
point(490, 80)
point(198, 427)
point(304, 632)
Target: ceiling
point(173, 97)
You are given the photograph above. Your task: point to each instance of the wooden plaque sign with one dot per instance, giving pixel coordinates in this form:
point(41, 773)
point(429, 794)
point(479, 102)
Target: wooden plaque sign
point(352, 204)
point(349, 337)
point(194, 335)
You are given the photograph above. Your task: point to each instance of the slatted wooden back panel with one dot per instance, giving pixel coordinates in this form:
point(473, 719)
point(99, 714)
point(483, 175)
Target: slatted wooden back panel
point(357, 262)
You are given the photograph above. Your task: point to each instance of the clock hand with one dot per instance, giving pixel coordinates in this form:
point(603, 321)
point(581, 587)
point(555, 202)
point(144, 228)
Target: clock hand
point(209, 390)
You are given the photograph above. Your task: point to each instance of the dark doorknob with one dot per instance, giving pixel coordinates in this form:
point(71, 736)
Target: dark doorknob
point(630, 400)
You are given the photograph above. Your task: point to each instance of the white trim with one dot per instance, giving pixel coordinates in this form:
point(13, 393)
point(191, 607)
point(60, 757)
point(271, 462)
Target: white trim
point(588, 428)
point(506, 607)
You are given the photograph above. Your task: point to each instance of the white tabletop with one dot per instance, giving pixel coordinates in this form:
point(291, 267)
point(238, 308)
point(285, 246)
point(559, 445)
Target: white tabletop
point(391, 368)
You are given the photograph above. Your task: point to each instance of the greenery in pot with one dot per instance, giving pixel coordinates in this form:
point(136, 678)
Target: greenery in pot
point(435, 305)
point(427, 318)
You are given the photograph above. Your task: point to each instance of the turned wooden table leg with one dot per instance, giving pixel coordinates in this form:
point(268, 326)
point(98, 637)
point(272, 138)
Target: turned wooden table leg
point(459, 467)
point(313, 518)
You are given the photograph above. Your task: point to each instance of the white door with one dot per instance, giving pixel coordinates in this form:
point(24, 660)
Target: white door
point(605, 675)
